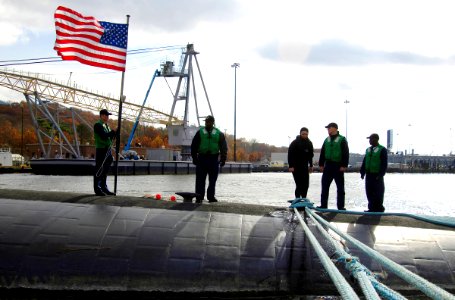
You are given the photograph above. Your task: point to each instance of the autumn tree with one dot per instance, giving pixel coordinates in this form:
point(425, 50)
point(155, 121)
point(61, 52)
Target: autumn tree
point(157, 142)
point(13, 116)
point(9, 135)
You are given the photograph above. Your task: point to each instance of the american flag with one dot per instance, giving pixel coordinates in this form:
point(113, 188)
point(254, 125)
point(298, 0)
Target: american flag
point(99, 44)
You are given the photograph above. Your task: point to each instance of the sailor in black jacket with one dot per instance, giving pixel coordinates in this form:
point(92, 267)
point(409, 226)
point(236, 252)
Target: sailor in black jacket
point(300, 159)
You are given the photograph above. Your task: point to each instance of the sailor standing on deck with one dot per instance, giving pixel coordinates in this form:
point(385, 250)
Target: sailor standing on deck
point(103, 144)
point(374, 166)
point(209, 152)
point(333, 162)
point(300, 156)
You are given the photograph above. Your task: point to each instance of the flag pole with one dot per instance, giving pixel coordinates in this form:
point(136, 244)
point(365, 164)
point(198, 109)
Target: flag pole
point(119, 124)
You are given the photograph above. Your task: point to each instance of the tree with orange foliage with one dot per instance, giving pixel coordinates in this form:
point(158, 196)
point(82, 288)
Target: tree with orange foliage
point(9, 135)
point(255, 156)
point(29, 136)
point(146, 141)
point(157, 142)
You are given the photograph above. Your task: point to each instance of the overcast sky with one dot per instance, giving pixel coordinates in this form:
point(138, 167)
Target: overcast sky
point(393, 61)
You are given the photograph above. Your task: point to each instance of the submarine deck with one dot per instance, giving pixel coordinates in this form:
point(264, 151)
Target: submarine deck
point(72, 242)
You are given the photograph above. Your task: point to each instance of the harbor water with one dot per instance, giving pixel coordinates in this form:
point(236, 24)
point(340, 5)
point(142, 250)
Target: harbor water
point(424, 194)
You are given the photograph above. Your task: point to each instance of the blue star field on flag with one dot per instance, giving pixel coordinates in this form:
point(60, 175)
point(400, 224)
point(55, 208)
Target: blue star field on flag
point(85, 39)
point(114, 34)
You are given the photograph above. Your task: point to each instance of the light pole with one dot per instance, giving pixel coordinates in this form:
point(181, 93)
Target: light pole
point(235, 66)
point(346, 102)
point(22, 132)
point(410, 139)
point(450, 143)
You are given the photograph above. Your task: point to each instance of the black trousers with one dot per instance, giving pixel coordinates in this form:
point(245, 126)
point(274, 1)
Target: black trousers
point(207, 165)
point(103, 160)
point(331, 172)
point(374, 187)
point(302, 182)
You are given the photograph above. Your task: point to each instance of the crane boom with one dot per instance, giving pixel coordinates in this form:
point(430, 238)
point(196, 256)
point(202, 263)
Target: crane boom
point(130, 139)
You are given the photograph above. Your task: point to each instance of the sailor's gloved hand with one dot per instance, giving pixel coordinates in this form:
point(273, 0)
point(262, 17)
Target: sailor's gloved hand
point(222, 163)
point(362, 176)
point(195, 161)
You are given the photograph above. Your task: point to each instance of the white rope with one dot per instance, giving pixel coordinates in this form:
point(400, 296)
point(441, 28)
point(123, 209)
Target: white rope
point(428, 288)
point(359, 271)
point(340, 282)
point(360, 274)
point(366, 286)
point(108, 153)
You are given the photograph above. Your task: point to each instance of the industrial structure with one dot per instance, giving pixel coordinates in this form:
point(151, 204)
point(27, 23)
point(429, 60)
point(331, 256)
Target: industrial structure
point(188, 81)
point(40, 93)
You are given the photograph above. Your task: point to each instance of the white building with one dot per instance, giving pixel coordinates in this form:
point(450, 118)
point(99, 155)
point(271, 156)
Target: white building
point(279, 159)
point(6, 158)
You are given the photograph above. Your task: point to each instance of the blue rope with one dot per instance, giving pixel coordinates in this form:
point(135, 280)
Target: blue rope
point(353, 265)
point(304, 202)
point(386, 292)
point(301, 203)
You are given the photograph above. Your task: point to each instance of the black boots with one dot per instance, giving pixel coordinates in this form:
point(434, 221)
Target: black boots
point(99, 192)
point(107, 192)
point(101, 189)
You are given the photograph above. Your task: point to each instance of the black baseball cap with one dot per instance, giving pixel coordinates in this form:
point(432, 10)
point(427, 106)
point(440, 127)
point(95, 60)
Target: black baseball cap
point(373, 136)
point(105, 112)
point(332, 125)
point(210, 118)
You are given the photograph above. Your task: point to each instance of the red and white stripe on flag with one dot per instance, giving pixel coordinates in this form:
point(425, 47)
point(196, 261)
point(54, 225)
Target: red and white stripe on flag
point(79, 38)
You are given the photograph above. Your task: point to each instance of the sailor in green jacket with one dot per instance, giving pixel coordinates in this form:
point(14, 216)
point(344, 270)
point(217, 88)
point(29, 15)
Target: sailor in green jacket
point(374, 166)
point(333, 162)
point(103, 142)
point(209, 152)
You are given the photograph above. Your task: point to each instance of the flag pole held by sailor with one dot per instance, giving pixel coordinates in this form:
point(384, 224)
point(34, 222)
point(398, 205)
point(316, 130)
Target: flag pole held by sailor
point(95, 43)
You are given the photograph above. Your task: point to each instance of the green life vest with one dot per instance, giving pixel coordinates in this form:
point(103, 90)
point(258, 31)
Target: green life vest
point(332, 148)
point(99, 142)
point(209, 142)
point(373, 159)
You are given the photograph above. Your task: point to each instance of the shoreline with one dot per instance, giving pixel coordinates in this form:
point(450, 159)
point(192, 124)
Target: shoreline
point(11, 170)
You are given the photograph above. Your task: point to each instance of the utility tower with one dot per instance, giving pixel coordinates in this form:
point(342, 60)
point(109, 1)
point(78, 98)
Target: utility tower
point(188, 80)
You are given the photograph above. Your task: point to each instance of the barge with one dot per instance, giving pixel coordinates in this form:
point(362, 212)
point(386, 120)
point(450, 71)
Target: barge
point(126, 167)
